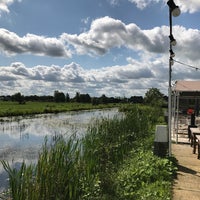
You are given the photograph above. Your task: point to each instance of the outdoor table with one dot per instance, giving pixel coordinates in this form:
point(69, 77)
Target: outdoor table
point(198, 143)
point(194, 133)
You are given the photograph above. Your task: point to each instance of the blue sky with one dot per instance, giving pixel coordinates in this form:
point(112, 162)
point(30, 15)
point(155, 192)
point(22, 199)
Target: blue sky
point(111, 47)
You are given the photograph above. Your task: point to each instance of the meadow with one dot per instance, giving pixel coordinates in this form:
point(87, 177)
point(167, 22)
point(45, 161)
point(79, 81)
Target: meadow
point(113, 161)
point(11, 108)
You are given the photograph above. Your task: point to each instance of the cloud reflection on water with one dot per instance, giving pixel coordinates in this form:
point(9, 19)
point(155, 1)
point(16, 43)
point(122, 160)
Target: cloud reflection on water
point(21, 138)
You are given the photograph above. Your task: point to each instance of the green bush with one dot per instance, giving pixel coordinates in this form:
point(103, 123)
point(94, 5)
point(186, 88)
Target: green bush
point(144, 176)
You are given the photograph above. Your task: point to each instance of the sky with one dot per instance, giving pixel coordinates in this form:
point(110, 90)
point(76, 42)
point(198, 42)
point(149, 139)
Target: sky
point(113, 47)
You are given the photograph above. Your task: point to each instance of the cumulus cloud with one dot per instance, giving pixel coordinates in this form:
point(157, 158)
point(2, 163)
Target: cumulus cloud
point(112, 81)
point(4, 5)
point(104, 35)
point(191, 6)
point(11, 44)
point(133, 78)
point(107, 33)
point(188, 43)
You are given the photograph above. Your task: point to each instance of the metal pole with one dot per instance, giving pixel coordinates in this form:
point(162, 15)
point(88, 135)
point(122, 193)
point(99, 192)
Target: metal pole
point(177, 118)
point(174, 100)
point(169, 108)
point(169, 89)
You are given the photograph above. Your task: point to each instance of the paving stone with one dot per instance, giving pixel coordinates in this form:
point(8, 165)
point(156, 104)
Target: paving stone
point(187, 184)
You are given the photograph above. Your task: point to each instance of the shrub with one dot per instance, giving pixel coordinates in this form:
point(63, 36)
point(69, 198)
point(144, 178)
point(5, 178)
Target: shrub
point(145, 176)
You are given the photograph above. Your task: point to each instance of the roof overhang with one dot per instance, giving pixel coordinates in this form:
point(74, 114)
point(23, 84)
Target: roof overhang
point(186, 86)
point(187, 89)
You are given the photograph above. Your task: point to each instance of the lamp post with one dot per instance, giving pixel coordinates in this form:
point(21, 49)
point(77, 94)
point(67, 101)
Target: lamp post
point(173, 11)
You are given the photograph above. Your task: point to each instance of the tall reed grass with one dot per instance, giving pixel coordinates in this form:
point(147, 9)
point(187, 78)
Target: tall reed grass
point(56, 175)
point(108, 143)
point(82, 169)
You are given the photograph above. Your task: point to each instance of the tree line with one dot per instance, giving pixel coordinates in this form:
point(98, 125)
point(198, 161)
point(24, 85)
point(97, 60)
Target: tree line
point(152, 96)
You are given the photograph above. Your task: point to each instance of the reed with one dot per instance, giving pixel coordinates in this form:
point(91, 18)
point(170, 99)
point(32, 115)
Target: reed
point(82, 169)
point(108, 142)
point(56, 175)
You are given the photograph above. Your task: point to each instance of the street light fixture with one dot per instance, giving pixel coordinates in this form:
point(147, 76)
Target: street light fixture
point(172, 40)
point(172, 54)
point(175, 11)
point(171, 61)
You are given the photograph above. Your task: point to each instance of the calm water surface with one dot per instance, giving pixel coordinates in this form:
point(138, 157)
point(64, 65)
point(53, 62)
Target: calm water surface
point(22, 138)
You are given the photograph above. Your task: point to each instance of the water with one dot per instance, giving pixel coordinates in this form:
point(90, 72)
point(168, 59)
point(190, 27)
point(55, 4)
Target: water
point(21, 138)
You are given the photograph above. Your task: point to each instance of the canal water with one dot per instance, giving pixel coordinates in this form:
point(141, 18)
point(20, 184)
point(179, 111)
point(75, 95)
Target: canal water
point(21, 138)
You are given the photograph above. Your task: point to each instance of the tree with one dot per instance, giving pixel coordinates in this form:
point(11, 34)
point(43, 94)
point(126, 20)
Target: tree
point(136, 99)
point(154, 97)
point(59, 96)
point(18, 97)
point(85, 98)
point(67, 97)
point(77, 97)
point(95, 101)
point(103, 99)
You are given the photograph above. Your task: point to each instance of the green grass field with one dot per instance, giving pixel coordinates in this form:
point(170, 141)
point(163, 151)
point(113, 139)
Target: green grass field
point(9, 108)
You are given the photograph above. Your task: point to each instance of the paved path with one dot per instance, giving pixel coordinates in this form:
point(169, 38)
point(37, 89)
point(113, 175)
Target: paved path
point(187, 184)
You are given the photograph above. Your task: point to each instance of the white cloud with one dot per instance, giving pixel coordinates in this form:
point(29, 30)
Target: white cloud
point(189, 6)
point(11, 44)
point(143, 3)
point(188, 43)
point(104, 34)
point(40, 80)
point(4, 5)
point(85, 20)
point(134, 78)
point(113, 2)
point(107, 33)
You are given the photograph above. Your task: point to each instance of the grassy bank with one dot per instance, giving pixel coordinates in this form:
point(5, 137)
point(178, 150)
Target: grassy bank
point(9, 108)
point(113, 161)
